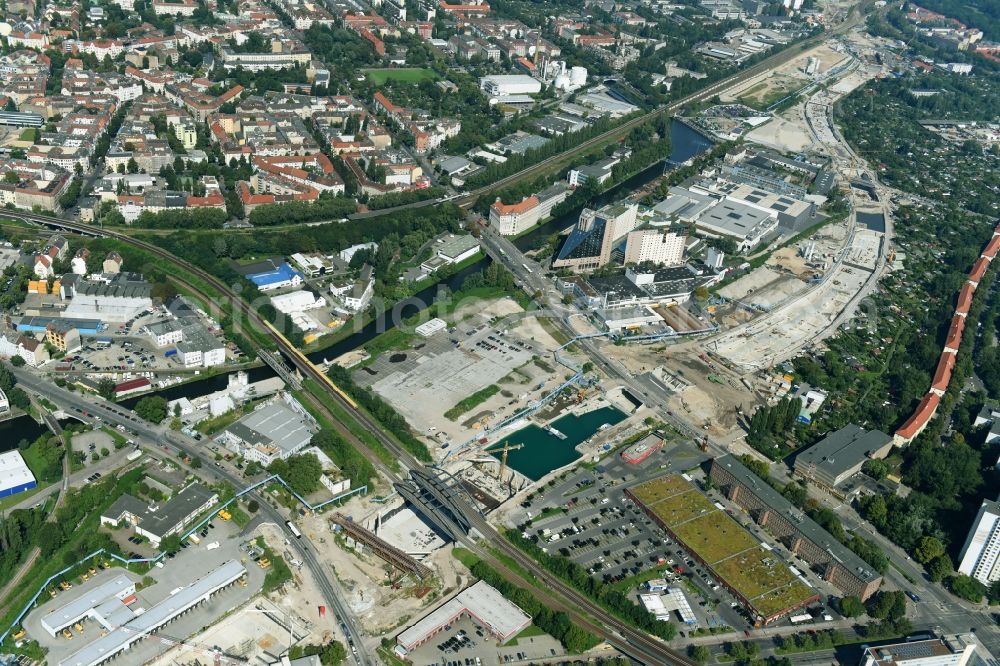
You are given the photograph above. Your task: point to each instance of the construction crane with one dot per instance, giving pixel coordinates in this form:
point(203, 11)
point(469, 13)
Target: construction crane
point(507, 448)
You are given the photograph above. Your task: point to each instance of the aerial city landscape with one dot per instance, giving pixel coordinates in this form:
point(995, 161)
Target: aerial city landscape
point(408, 332)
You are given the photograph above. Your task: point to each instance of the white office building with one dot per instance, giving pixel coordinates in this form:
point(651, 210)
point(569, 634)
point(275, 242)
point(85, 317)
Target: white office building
point(659, 246)
point(982, 547)
point(166, 333)
point(950, 651)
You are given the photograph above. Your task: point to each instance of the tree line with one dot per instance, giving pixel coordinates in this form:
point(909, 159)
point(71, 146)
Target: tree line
point(556, 624)
point(385, 413)
point(618, 603)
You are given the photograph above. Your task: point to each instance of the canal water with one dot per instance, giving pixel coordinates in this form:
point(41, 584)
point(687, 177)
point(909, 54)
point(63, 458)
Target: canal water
point(407, 308)
point(12, 431)
point(685, 143)
point(544, 452)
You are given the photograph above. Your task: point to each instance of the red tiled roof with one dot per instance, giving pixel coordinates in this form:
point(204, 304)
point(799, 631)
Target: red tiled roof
point(132, 384)
point(523, 206)
point(954, 340)
point(991, 249)
point(979, 269)
point(965, 298)
point(942, 376)
point(925, 410)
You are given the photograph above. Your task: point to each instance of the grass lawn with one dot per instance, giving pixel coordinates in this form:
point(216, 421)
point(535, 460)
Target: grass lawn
point(395, 339)
point(8, 502)
point(474, 400)
point(466, 557)
point(626, 585)
point(528, 632)
point(404, 74)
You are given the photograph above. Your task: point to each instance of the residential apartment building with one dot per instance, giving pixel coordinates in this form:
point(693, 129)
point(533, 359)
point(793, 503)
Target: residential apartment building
point(658, 246)
point(834, 561)
point(981, 552)
point(512, 219)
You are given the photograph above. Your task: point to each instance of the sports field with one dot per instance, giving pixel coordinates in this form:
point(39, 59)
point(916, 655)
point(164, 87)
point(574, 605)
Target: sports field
point(733, 554)
point(404, 74)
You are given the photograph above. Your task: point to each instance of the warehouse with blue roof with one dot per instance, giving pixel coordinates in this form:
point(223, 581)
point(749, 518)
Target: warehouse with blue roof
point(277, 277)
point(41, 324)
point(15, 477)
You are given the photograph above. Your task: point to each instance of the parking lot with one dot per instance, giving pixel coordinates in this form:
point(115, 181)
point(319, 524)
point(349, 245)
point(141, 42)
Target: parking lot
point(466, 643)
point(586, 517)
point(597, 528)
point(189, 564)
point(122, 356)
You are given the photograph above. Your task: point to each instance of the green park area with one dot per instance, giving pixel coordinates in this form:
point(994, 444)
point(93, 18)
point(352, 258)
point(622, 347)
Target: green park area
point(403, 74)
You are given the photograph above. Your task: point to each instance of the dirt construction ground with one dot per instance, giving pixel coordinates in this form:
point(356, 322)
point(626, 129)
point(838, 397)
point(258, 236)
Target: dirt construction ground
point(381, 609)
point(704, 402)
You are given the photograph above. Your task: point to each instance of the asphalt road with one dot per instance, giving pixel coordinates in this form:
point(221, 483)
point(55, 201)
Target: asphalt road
point(113, 414)
point(937, 610)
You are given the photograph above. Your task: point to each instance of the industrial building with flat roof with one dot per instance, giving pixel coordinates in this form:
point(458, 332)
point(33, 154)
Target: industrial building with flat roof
point(272, 432)
point(747, 225)
point(481, 601)
point(840, 455)
point(834, 561)
point(15, 476)
point(123, 636)
point(157, 522)
point(95, 603)
point(953, 651)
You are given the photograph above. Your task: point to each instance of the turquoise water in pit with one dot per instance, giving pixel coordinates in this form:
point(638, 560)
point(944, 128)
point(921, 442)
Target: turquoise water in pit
point(544, 452)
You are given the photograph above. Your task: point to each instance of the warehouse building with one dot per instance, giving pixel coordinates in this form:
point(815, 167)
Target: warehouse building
point(117, 299)
point(108, 604)
point(137, 626)
point(15, 476)
point(270, 275)
point(156, 522)
point(840, 455)
point(200, 348)
point(483, 603)
point(762, 583)
point(272, 432)
point(747, 225)
point(834, 561)
point(502, 85)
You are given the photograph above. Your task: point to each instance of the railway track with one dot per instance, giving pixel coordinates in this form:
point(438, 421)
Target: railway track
point(584, 611)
